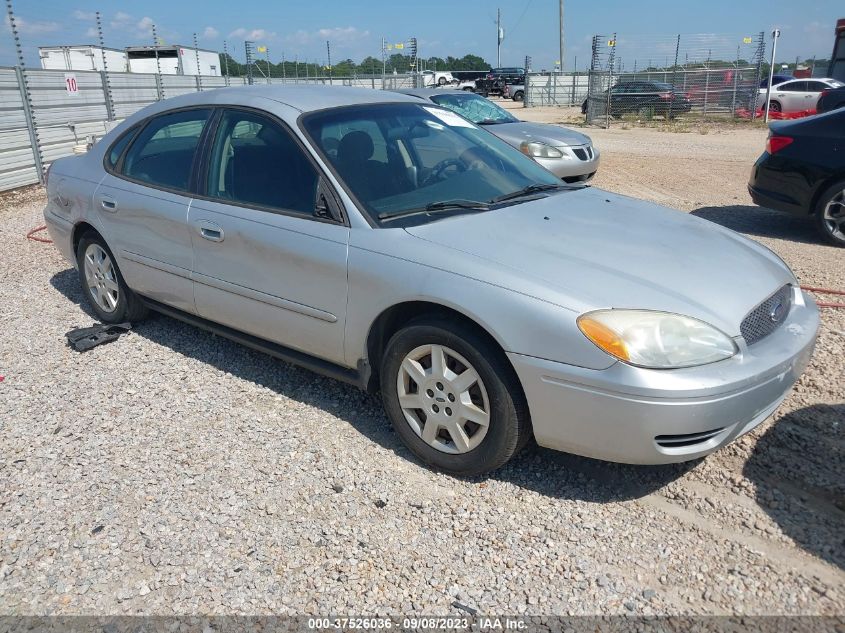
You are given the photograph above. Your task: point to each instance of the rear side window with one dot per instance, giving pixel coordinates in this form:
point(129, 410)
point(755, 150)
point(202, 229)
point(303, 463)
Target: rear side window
point(163, 152)
point(118, 146)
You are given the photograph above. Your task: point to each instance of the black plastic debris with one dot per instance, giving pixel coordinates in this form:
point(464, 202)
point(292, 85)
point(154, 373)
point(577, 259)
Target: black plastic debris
point(85, 338)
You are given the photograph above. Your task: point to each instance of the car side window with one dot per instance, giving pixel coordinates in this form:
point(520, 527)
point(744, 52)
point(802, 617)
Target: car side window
point(795, 86)
point(163, 152)
point(116, 149)
point(256, 162)
point(816, 86)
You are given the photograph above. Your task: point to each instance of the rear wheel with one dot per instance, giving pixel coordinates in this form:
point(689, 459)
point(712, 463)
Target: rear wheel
point(774, 106)
point(830, 214)
point(442, 81)
point(519, 96)
point(452, 397)
point(103, 285)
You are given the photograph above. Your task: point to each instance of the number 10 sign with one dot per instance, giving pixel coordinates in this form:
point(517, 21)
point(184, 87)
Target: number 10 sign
point(70, 84)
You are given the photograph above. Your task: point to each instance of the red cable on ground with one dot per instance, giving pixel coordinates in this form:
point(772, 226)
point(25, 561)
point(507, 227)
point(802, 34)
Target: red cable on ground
point(31, 235)
point(826, 291)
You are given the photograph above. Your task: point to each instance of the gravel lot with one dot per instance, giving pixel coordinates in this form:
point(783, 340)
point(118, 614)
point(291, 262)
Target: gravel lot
point(174, 472)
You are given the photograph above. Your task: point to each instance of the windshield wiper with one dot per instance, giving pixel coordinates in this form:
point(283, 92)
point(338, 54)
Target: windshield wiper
point(444, 205)
point(525, 191)
point(492, 121)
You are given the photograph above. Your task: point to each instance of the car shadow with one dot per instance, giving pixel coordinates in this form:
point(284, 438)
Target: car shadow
point(762, 222)
point(796, 468)
point(549, 473)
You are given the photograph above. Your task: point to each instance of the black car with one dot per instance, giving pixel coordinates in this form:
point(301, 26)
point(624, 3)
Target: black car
point(802, 171)
point(494, 82)
point(831, 99)
point(653, 97)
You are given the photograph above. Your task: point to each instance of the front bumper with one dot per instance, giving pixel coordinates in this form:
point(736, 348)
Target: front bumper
point(645, 416)
point(571, 166)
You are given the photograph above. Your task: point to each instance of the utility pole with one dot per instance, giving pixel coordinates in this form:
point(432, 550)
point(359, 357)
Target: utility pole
point(500, 35)
point(775, 36)
point(561, 36)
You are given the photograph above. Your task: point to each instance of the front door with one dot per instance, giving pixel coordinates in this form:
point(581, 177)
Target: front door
point(142, 205)
point(264, 262)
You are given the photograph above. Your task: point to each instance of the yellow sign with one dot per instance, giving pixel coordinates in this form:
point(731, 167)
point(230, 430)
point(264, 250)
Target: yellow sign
point(400, 46)
point(262, 49)
point(747, 40)
point(611, 42)
point(557, 62)
point(390, 47)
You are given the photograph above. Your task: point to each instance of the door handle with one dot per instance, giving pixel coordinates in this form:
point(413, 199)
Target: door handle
point(210, 231)
point(108, 204)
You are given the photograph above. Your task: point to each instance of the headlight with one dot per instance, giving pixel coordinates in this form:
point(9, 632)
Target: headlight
point(540, 150)
point(659, 340)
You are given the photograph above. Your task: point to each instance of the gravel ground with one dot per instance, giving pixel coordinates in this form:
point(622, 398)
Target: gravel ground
point(175, 472)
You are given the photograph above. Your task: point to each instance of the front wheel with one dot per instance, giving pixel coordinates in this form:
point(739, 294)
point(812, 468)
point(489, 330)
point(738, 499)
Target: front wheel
point(830, 214)
point(453, 398)
point(442, 81)
point(519, 96)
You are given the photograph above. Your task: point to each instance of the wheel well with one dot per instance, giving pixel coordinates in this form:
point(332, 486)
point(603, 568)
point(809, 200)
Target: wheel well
point(395, 317)
point(78, 231)
point(827, 184)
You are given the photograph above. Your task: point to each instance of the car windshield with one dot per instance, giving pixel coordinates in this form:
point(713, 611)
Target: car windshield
point(662, 86)
point(476, 108)
point(402, 159)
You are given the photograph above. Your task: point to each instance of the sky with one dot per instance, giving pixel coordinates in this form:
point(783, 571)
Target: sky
point(454, 27)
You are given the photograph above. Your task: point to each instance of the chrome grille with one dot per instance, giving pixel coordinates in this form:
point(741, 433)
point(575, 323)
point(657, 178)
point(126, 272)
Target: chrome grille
point(767, 317)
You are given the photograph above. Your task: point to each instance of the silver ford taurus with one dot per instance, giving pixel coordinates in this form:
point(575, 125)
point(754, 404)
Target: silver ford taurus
point(566, 153)
point(393, 244)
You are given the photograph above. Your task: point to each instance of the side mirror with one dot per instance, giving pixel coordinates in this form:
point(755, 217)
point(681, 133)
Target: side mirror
point(326, 206)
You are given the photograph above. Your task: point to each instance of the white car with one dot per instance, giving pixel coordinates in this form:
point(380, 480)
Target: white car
point(433, 78)
point(798, 95)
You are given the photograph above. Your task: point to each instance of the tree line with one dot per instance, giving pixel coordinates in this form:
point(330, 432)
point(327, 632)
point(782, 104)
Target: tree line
point(347, 67)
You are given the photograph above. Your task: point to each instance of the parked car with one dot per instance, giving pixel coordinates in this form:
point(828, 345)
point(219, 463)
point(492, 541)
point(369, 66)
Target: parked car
point(515, 92)
point(831, 99)
point(802, 172)
point(797, 95)
point(643, 97)
point(498, 78)
point(393, 244)
point(566, 153)
point(437, 78)
point(467, 84)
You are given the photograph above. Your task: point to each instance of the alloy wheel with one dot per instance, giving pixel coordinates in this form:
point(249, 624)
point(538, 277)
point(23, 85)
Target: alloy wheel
point(833, 216)
point(101, 278)
point(443, 399)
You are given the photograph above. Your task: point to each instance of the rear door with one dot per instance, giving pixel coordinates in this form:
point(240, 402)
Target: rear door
point(814, 91)
point(143, 202)
point(791, 95)
point(265, 262)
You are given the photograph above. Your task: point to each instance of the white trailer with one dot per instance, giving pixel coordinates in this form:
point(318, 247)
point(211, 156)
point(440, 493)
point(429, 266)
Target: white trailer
point(82, 57)
point(172, 60)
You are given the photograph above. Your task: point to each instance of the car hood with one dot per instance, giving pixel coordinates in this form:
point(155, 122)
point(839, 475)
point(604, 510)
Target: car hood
point(589, 249)
point(516, 133)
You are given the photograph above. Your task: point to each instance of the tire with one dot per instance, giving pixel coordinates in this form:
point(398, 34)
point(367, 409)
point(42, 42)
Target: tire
point(830, 214)
point(496, 392)
point(100, 277)
point(519, 96)
point(774, 106)
point(441, 81)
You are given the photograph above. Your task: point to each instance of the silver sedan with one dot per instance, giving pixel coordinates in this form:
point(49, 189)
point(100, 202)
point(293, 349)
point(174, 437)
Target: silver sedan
point(566, 153)
point(395, 245)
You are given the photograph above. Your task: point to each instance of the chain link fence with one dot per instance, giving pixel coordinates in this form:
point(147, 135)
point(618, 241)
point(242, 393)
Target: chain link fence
point(643, 77)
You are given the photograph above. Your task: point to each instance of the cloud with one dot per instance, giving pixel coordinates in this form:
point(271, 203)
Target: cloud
point(252, 34)
point(92, 32)
point(37, 27)
point(121, 20)
point(210, 33)
point(341, 35)
point(84, 15)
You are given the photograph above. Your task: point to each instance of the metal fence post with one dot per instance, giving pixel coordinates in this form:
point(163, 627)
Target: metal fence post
point(159, 90)
point(104, 79)
point(30, 123)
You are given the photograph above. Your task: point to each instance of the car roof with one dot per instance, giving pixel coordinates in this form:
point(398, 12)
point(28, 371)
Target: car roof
point(794, 79)
point(305, 98)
